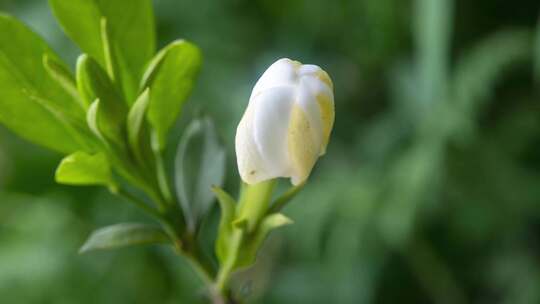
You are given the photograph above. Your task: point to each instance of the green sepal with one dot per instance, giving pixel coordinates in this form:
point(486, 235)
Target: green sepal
point(123, 235)
point(81, 168)
point(252, 242)
point(227, 205)
point(285, 198)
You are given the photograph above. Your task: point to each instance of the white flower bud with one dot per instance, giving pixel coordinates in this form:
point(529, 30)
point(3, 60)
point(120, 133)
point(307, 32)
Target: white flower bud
point(287, 124)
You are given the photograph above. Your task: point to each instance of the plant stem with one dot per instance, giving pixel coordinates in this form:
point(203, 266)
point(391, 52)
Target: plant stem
point(254, 202)
point(225, 271)
point(253, 206)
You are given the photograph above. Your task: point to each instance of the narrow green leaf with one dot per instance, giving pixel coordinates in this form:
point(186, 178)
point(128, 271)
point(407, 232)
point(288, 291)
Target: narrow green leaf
point(135, 126)
point(110, 59)
point(94, 83)
point(27, 91)
point(83, 83)
point(151, 70)
point(171, 77)
point(199, 165)
point(253, 242)
point(227, 205)
point(63, 77)
point(92, 119)
point(81, 168)
point(132, 32)
point(123, 235)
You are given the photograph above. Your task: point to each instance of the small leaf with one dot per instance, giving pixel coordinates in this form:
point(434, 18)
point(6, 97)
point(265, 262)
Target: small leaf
point(110, 60)
point(92, 119)
point(81, 168)
point(131, 27)
point(122, 235)
point(135, 125)
point(252, 244)
point(63, 77)
point(171, 77)
point(28, 92)
point(94, 83)
point(227, 205)
point(200, 164)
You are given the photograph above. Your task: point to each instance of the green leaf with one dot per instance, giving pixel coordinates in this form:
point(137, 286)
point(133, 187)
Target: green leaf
point(81, 168)
point(135, 126)
point(227, 205)
point(199, 165)
point(131, 27)
point(253, 242)
point(171, 76)
point(28, 93)
point(59, 72)
point(111, 62)
point(111, 112)
point(123, 235)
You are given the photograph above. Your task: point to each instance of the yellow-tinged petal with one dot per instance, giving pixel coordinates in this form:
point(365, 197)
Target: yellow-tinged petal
point(326, 106)
point(324, 77)
point(303, 150)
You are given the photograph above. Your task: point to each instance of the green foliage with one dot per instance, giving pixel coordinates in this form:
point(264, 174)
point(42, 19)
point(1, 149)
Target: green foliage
point(170, 76)
point(397, 174)
point(227, 205)
point(131, 26)
point(122, 235)
point(245, 225)
point(199, 166)
point(94, 84)
point(285, 198)
point(137, 133)
point(81, 168)
point(252, 241)
point(29, 94)
point(63, 77)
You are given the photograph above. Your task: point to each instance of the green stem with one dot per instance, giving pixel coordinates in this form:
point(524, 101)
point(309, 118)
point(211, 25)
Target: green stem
point(227, 268)
point(254, 202)
point(253, 206)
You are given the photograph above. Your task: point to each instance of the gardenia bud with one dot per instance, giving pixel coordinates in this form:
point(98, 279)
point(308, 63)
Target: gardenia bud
point(287, 124)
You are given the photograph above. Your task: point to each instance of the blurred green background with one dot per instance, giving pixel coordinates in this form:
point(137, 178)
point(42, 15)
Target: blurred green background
point(429, 192)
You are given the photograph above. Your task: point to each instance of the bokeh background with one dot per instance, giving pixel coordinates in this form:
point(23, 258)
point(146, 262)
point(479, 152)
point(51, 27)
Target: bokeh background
point(429, 192)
